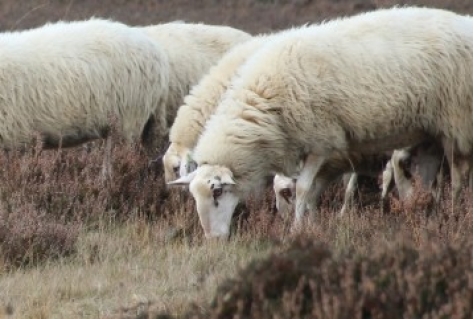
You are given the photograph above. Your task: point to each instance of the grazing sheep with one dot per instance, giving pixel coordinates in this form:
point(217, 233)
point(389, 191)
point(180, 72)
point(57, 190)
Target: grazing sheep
point(192, 49)
point(335, 167)
point(64, 81)
point(198, 107)
point(367, 84)
point(284, 188)
point(424, 160)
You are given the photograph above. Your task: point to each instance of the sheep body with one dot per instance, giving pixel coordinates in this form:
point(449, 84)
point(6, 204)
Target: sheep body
point(370, 83)
point(192, 49)
point(64, 81)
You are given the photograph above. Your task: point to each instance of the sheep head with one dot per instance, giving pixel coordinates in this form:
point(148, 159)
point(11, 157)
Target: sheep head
point(173, 161)
point(214, 190)
point(285, 193)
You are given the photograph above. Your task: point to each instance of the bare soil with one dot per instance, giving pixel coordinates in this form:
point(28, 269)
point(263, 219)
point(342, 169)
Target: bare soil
point(250, 15)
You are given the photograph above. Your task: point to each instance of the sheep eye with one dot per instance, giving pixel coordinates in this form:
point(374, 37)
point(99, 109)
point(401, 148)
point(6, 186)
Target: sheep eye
point(286, 194)
point(405, 164)
point(216, 192)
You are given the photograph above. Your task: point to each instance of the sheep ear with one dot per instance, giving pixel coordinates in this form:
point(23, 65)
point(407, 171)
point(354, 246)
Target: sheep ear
point(228, 180)
point(184, 180)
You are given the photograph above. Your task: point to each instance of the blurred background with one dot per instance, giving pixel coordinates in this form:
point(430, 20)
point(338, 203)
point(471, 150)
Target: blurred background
point(250, 15)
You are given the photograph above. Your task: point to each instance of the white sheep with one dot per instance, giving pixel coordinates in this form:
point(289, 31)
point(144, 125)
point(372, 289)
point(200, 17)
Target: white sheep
point(349, 168)
point(65, 81)
point(424, 160)
point(367, 84)
point(192, 49)
point(199, 105)
point(284, 188)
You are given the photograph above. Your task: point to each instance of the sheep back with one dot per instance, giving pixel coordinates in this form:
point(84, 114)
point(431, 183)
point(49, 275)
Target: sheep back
point(192, 49)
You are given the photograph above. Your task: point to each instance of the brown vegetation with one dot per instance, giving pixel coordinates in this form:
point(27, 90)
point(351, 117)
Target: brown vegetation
point(307, 281)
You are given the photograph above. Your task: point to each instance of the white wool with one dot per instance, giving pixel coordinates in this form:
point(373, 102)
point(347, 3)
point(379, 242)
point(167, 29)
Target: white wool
point(369, 83)
point(64, 81)
point(192, 49)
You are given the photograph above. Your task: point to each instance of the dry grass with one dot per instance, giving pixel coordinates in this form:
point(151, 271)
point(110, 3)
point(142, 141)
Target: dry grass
point(119, 265)
point(76, 246)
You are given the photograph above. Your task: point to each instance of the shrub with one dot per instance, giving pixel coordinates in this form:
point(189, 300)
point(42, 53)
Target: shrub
point(45, 196)
point(307, 280)
point(28, 236)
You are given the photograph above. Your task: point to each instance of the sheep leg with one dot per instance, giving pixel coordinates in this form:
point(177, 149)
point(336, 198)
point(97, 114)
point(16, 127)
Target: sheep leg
point(387, 185)
point(462, 170)
point(351, 185)
point(456, 182)
point(107, 163)
point(404, 186)
point(303, 185)
point(387, 177)
point(314, 199)
point(455, 161)
point(438, 189)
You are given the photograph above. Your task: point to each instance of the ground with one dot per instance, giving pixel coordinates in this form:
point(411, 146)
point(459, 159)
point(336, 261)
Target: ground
point(249, 15)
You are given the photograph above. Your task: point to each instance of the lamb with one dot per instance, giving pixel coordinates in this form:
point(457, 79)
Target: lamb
point(367, 84)
point(334, 168)
point(64, 81)
point(424, 159)
point(192, 49)
point(198, 107)
point(284, 188)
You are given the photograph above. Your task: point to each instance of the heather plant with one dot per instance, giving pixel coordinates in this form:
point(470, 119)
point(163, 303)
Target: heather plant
point(55, 189)
point(67, 183)
point(29, 236)
point(46, 194)
point(308, 280)
point(408, 262)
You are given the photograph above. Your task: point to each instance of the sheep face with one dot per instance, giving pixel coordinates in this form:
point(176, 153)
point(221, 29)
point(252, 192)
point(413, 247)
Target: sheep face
point(188, 165)
point(214, 190)
point(423, 160)
point(285, 193)
point(172, 161)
